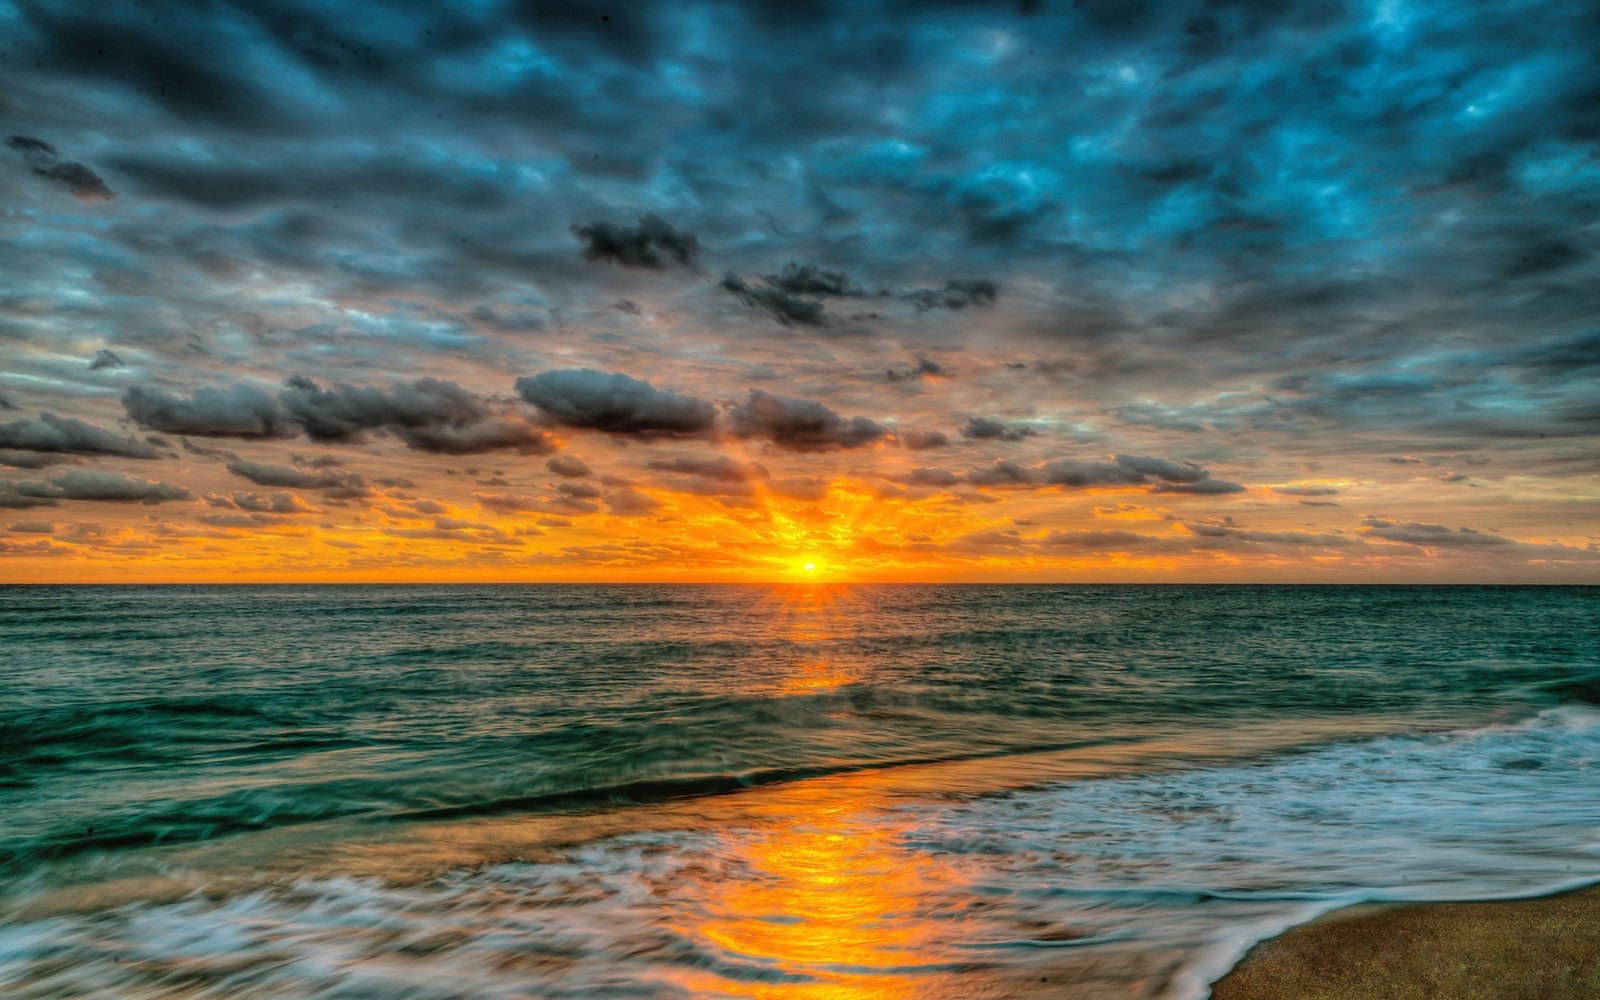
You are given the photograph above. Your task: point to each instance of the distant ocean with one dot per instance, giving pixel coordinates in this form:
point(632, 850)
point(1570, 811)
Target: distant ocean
point(899, 791)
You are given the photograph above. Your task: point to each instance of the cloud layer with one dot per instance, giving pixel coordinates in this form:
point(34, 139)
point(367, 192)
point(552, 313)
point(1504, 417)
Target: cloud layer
point(930, 291)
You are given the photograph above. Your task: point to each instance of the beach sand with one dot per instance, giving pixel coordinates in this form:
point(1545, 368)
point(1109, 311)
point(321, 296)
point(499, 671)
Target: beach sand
point(1540, 949)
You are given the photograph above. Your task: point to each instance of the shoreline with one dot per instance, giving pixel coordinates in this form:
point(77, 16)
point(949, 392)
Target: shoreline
point(1539, 948)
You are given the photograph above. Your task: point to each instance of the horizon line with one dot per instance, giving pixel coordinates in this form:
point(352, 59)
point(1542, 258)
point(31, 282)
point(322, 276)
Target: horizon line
point(782, 583)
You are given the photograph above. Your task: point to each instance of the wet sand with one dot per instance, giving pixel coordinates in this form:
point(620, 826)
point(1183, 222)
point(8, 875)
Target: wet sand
point(1540, 949)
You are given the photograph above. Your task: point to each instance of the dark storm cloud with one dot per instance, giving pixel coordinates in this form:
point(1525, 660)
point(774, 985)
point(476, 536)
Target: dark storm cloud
point(615, 404)
point(652, 243)
point(69, 436)
point(43, 159)
point(986, 429)
point(427, 415)
point(800, 425)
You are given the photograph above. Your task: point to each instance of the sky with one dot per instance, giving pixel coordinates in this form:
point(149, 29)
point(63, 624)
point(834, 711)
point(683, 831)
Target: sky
point(1203, 290)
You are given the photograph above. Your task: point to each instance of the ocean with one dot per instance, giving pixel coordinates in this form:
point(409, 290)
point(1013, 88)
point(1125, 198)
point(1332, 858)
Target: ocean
point(743, 791)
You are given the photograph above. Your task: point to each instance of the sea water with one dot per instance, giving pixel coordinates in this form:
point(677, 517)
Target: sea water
point(810, 791)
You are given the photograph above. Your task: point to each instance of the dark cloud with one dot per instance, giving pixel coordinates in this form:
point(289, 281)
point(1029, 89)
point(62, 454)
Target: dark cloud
point(788, 309)
point(240, 411)
point(331, 482)
point(346, 412)
point(1103, 541)
point(923, 369)
point(1429, 536)
point(568, 465)
point(10, 499)
point(615, 404)
point(652, 243)
point(96, 484)
point(922, 440)
point(809, 279)
point(957, 293)
point(33, 459)
point(800, 425)
point(1155, 475)
point(106, 358)
point(507, 503)
point(276, 502)
point(426, 415)
point(475, 437)
point(1005, 473)
point(717, 467)
point(1382, 245)
point(69, 436)
point(931, 477)
point(631, 503)
point(43, 159)
point(1224, 529)
point(795, 296)
point(986, 429)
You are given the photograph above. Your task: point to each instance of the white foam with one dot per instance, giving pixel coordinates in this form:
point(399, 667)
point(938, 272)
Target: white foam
point(1163, 879)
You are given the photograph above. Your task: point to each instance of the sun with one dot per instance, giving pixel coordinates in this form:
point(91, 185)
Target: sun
point(807, 568)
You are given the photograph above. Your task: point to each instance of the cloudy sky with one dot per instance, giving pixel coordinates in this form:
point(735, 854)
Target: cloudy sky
point(1193, 290)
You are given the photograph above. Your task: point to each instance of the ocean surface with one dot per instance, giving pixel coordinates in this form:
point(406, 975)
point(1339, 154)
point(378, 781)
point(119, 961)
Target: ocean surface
point(863, 792)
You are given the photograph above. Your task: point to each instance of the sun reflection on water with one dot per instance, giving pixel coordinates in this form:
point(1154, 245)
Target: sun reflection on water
point(828, 904)
point(810, 619)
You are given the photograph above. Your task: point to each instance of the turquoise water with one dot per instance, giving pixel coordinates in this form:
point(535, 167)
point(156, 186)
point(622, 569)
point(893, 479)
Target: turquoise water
point(749, 791)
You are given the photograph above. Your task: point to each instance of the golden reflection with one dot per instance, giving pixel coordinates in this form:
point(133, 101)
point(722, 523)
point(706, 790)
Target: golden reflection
point(812, 619)
point(826, 905)
point(823, 901)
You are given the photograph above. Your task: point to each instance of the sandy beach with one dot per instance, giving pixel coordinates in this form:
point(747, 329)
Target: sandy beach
point(1546, 948)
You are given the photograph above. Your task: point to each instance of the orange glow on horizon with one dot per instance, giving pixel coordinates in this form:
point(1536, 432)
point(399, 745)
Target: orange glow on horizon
point(849, 532)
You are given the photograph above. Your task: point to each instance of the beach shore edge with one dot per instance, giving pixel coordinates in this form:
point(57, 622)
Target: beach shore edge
point(1544, 946)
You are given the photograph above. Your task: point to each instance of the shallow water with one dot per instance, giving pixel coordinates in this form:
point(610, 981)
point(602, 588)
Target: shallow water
point(839, 792)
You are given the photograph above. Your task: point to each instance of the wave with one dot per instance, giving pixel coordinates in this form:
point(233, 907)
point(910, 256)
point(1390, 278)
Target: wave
point(1156, 877)
point(1578, 690)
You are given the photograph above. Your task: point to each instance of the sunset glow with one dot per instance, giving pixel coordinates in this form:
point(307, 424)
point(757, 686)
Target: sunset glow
point(1070, 303)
